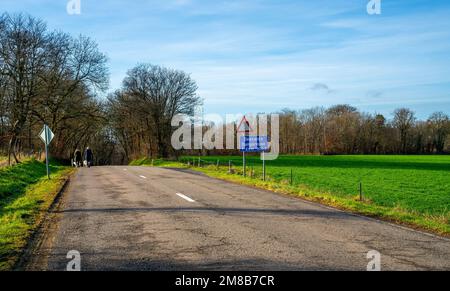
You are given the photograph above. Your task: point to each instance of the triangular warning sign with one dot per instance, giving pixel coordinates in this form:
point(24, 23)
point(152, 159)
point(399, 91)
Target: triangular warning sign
point(244, 126)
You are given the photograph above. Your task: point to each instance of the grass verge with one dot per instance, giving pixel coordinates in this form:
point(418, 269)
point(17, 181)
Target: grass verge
point(435, 224)
point(157, 163)
point(3, 161)
point(25, 196)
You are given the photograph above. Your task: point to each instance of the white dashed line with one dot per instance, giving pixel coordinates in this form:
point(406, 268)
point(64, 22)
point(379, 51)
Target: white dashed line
point(143, 177)
point(185, 197)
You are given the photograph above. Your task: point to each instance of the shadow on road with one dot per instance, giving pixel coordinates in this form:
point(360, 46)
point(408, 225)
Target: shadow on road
point(222, 211)
point(112, 261)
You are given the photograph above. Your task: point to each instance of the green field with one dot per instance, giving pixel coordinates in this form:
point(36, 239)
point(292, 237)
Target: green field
point(25, 196)
point(412, 189)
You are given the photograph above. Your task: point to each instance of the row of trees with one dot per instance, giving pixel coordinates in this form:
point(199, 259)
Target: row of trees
point(141, 112)
point(342, 129)
point(53, 78)
point(48, 77)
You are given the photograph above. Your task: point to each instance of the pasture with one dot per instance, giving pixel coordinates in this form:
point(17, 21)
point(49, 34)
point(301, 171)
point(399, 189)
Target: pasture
point(418, 185)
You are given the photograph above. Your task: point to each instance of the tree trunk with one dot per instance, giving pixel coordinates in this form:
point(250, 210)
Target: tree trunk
point(11, 150)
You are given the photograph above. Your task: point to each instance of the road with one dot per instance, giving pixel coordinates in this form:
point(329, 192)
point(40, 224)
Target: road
point(141, 218)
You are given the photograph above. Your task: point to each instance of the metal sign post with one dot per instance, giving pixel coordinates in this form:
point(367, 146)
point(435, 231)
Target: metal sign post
point(245, 128)
point(244, 165)
point(264, 165)
point(46, 151)
point(46, 136)
point(254, 144)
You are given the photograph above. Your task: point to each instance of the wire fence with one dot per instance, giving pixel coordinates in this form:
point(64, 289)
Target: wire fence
point(255, 170)
point(252, 169)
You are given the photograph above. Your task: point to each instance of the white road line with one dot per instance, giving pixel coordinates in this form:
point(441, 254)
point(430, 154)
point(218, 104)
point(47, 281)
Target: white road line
point(125, 169)
point(143, 177)
point(185, 197)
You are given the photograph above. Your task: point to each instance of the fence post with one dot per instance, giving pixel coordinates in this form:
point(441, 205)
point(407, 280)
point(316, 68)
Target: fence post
point(244, 165)
point(264, 167)
point(292, 176)
point(360, 191)
point(229, 167)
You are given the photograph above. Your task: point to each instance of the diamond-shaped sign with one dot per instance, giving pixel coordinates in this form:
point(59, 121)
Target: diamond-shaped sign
point(46, 135)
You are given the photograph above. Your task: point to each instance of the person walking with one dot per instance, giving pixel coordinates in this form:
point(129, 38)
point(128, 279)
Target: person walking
point(78, 157)
point(89, 157)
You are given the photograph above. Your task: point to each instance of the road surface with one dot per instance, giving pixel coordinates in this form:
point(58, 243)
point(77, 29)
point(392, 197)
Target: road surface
point(140, 218)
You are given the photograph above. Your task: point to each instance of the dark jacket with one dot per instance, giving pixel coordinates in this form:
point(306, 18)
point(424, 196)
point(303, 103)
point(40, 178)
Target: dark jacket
point(78, 156)
point(88, 155)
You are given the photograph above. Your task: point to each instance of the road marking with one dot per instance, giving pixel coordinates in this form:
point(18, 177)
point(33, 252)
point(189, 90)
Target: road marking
point(125, 169)
point(143, 177)
point(185, 197)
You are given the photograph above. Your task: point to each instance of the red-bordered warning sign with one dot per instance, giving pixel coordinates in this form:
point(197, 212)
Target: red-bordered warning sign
point(244, 126)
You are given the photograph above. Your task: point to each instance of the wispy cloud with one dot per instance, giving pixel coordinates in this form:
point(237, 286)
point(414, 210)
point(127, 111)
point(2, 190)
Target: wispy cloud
point(266, 55)
point(321, 87)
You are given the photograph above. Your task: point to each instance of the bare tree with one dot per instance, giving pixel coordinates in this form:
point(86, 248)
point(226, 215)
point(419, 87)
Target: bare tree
point(46, 77)
point(22, 51)
point(439, 124)
point(161, 93)
point(404, 120)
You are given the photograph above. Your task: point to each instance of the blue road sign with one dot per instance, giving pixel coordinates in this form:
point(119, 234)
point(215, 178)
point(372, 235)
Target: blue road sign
point(254, 144)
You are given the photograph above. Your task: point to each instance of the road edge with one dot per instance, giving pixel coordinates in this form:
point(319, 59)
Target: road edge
point(386, 221)
point(34, 255)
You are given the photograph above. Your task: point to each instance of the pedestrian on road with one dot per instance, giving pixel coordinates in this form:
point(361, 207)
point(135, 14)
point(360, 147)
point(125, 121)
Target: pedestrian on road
point(89, 157)
point(78, 158)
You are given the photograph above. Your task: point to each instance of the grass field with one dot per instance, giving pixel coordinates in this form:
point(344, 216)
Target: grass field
point(414, 190)
point(25, 196)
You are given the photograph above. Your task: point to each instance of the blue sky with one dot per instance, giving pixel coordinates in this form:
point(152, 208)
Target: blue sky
point(265, 55)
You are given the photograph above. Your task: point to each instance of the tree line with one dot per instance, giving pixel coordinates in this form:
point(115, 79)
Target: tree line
point(342, 129)
point(50, 77)
point(47, 77)
point(337, 130)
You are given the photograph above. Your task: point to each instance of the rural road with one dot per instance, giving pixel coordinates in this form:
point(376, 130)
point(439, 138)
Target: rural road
point(140, 218)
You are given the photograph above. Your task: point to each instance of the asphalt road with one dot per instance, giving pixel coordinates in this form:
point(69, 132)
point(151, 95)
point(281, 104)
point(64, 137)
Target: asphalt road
point(139, 218)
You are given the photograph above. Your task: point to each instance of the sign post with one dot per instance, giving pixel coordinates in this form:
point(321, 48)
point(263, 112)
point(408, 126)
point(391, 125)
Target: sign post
point(264, 165)
point(252, 144)
point(46, 136)
point(245, 128)
point(244, 170)
point(255, 144)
